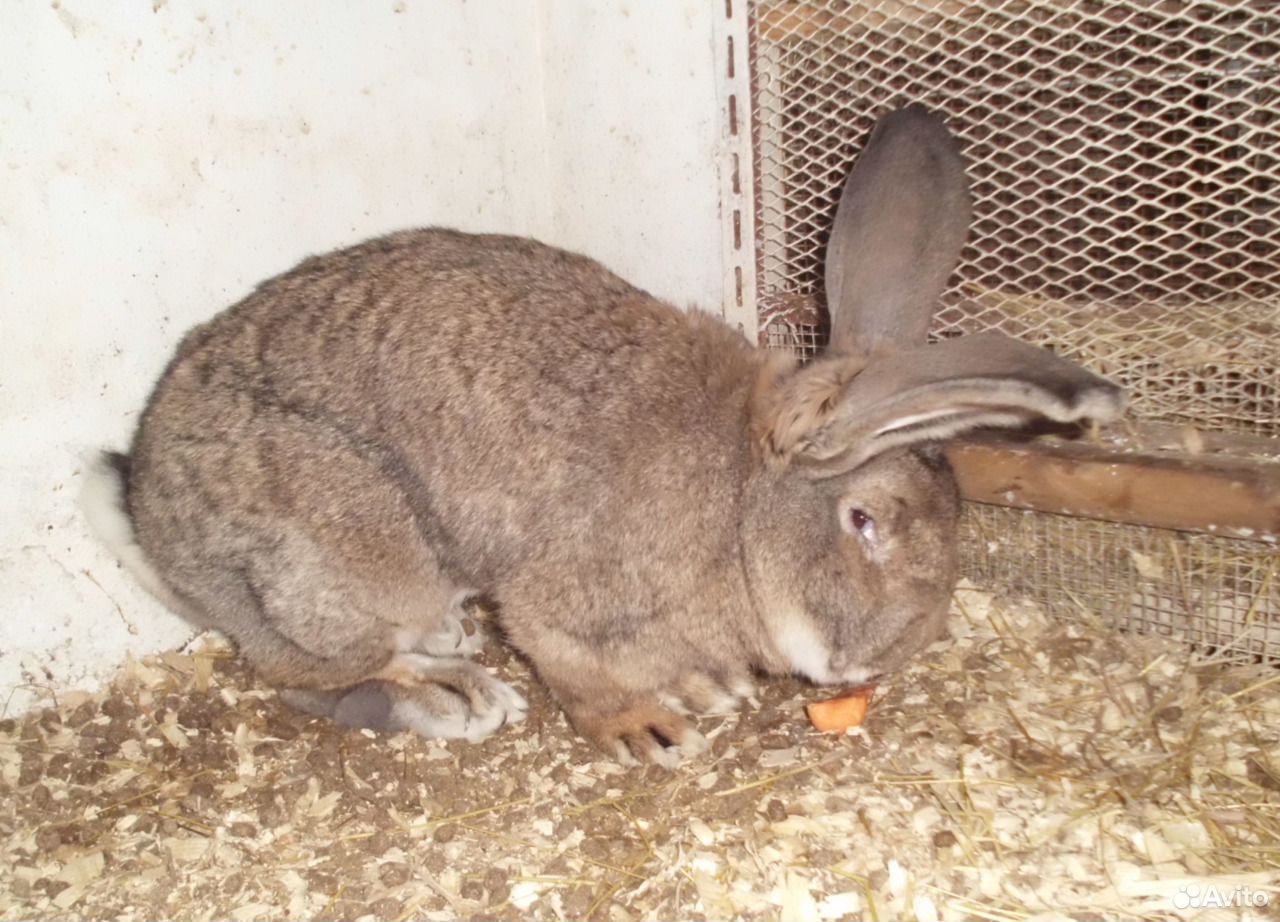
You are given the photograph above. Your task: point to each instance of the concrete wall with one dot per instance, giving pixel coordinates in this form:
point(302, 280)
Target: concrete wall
point(158, 158)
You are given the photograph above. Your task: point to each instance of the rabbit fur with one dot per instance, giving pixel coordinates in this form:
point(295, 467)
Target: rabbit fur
point(330, 470)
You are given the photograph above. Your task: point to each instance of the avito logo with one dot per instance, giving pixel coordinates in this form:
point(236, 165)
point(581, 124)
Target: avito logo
point(1211, 896)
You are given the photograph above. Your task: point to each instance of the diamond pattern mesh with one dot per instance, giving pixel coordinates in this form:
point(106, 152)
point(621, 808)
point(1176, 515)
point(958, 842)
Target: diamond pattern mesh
point(1125, 166)
point(1124, 160)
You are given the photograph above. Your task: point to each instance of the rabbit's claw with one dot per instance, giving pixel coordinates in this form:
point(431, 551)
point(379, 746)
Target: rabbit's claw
point(646, 732)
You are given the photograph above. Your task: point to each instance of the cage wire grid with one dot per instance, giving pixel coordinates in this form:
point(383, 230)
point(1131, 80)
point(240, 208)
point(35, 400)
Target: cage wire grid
point(1124, 161)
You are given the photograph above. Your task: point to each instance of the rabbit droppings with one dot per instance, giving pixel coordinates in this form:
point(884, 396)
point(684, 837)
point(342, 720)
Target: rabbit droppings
point(328, 470)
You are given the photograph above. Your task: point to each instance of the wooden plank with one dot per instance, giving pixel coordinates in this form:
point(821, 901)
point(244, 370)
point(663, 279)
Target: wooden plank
point(1214, 494)
point(1163, 438)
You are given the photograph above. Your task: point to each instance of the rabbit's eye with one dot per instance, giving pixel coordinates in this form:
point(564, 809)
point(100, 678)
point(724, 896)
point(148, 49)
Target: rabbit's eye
point(862, 524)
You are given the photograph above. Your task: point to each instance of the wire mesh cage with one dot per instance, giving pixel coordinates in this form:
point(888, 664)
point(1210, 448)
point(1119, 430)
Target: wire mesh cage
point(1221, 595)
point(1124, 161)
point(1125, 169)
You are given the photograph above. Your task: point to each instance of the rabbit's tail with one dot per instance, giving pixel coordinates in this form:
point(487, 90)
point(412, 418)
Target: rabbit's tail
point(102, 500)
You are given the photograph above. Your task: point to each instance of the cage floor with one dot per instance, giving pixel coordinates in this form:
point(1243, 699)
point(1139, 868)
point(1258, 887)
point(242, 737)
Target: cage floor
point(1025, 767)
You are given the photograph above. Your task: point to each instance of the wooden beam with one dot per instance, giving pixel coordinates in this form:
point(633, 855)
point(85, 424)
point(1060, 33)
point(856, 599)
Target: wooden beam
point(1211, 493)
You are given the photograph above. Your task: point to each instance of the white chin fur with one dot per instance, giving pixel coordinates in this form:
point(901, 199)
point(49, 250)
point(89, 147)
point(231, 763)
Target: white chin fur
point(802, 647)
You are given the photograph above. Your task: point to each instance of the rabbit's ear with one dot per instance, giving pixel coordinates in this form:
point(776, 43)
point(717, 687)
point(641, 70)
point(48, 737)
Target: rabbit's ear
point(839, 412)
point(898, 231)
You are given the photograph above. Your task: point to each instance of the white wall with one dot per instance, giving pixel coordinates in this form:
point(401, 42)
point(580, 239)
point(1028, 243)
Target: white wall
point(158, 158)
point(632, 131)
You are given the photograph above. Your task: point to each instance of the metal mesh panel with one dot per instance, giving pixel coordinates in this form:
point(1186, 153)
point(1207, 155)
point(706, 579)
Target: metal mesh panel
point(1125, 167)
point(1124, 160)
point(804, 339)
point(1219, 594)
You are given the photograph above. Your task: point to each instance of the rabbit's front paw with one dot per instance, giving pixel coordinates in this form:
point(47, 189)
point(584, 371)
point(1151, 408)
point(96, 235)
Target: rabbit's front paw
point(645, 732)
point(703, 693)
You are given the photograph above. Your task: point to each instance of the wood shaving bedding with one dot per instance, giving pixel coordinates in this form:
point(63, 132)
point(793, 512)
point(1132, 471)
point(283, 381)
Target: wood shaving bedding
point(1024, 769)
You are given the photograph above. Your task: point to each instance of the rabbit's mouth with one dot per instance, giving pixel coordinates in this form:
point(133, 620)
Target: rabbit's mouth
point(856, 669)
point(861, 676)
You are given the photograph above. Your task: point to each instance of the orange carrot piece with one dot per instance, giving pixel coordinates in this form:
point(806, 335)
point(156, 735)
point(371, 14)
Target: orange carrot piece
point(835, 715)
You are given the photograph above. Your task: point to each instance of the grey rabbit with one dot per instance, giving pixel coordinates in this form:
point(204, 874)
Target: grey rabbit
point(659, 512)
